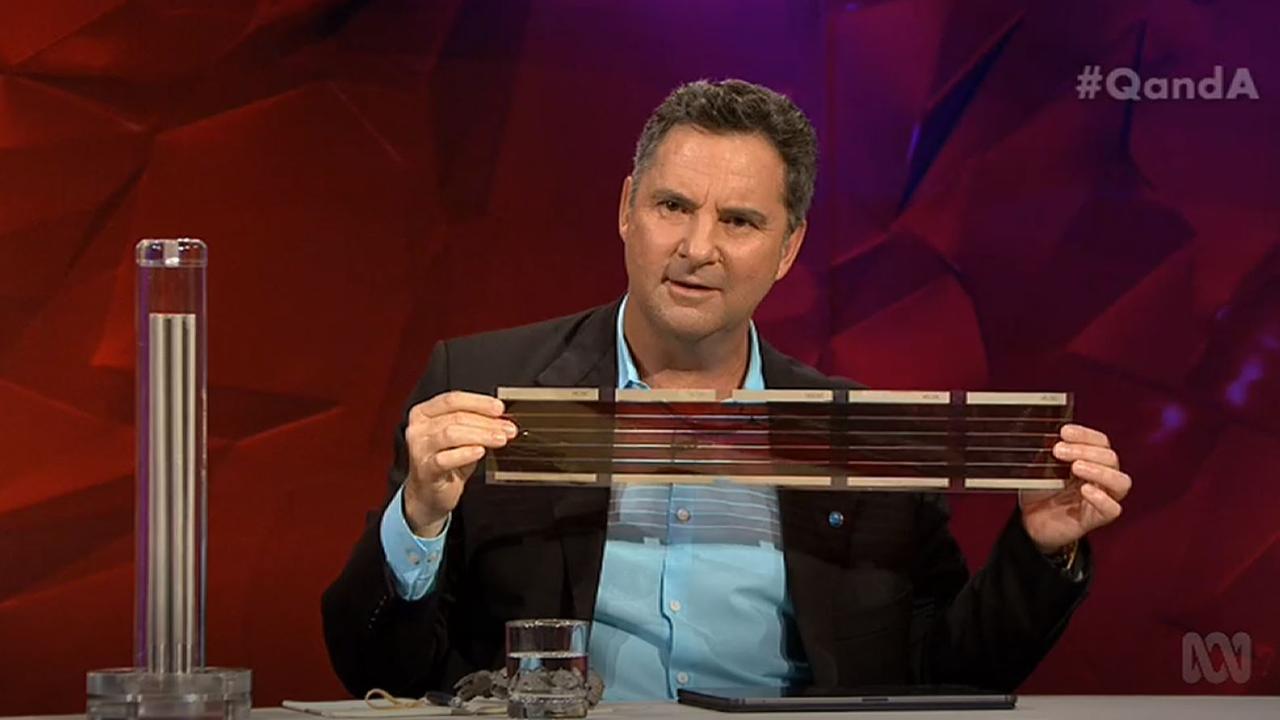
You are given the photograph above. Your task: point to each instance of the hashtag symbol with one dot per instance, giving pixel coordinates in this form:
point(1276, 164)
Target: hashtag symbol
point(1090, 82)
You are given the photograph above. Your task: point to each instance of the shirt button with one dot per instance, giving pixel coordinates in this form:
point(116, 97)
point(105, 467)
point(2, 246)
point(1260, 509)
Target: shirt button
point(683, 515)
point(675, 606)
point(682, 678)
point(434, 556)
point(414, 559)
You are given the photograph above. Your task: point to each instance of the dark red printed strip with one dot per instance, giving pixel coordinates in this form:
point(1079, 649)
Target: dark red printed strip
point(821, 439)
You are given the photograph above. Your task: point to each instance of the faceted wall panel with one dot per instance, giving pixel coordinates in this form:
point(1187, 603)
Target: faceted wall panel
point(374, 175)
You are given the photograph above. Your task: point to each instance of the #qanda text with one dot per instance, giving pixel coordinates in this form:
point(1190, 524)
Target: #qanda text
point(1125, 83)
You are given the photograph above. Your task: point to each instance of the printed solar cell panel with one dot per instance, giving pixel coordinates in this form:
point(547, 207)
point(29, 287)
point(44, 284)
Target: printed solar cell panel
point(827, 439)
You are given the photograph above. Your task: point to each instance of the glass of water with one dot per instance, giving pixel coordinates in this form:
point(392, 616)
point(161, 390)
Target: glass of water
point(547, 668)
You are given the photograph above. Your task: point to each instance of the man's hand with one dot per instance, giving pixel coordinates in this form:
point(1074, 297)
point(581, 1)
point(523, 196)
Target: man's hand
point(447, 435)
point(1091, 499)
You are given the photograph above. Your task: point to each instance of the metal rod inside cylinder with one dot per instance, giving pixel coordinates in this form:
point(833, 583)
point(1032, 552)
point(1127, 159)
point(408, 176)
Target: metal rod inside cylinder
point(178, 423)
point(171, 616)
point(158, 632)
point(177, 458)
point(189, 633)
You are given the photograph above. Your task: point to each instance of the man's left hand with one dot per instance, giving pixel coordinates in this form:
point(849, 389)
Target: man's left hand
point(1056, 518)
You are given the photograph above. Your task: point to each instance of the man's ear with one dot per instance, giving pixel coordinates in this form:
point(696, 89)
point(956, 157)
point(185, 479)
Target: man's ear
point(624, 209)
point(790, 249)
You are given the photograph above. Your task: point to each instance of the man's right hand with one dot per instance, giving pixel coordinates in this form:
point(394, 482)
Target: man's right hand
point(447, 435)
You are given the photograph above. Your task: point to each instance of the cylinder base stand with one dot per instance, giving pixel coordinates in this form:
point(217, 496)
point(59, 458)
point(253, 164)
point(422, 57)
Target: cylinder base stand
point(136, 694)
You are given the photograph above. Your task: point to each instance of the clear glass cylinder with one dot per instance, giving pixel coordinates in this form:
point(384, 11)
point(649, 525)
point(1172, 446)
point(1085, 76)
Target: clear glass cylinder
point(169, 680)
point(170, 530)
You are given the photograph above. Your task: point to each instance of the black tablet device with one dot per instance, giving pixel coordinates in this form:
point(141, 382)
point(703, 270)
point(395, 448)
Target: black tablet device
point(909, 697)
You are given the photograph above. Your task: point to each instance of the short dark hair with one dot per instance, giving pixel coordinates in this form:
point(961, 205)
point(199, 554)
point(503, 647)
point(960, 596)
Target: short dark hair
point(737, 106)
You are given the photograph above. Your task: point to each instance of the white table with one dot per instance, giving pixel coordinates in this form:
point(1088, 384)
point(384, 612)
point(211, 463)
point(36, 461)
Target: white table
point(1046, 707)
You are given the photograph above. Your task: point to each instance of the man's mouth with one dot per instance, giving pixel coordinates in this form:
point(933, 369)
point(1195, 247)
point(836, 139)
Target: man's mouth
point(690, 285)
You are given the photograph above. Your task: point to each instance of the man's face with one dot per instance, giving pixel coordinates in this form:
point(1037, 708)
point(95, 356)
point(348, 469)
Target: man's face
point(707, 235)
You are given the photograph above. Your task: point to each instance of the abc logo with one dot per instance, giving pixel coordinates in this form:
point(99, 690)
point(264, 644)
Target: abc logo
point(1197, 658)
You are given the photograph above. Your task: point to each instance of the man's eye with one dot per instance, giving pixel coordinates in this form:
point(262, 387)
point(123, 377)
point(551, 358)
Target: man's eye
point(740, 222)
point(670, 205)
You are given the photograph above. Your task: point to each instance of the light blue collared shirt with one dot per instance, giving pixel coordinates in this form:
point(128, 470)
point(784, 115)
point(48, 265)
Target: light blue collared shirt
point(693, 586)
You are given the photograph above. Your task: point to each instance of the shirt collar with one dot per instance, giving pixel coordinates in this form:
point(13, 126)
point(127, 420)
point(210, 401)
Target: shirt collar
point(629, 376)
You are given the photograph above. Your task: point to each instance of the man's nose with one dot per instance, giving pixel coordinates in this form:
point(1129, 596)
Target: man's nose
point(699, 242)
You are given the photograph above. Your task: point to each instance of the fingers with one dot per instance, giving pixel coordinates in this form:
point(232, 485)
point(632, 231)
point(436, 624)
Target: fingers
point(446, 461)
point(1112, 482)
point(1093, 496)
point(468, 419)
point(455, 435)
point(453, 430)
point(1073, 433)
point(1107, 507)
point(1094, 461)
point(1105, 456)
point(448, 447)
point(458, 401)
point(455, 419)
point(457, 429)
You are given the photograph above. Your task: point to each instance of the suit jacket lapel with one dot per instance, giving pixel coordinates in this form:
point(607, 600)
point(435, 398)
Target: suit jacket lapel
point(589, 360)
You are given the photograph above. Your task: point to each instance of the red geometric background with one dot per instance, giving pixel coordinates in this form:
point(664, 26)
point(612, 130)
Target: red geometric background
point(374, 176)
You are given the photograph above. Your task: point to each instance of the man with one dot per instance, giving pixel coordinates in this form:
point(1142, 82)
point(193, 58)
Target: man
point(693, 586)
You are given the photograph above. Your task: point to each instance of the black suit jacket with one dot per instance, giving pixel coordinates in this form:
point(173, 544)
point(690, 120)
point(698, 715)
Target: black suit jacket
point(884, 598)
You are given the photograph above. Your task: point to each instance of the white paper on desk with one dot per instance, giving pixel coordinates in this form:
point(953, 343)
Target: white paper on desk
point(361, 709)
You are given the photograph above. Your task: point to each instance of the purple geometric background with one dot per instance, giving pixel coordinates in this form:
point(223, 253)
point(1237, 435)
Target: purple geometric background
point(374, 176)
